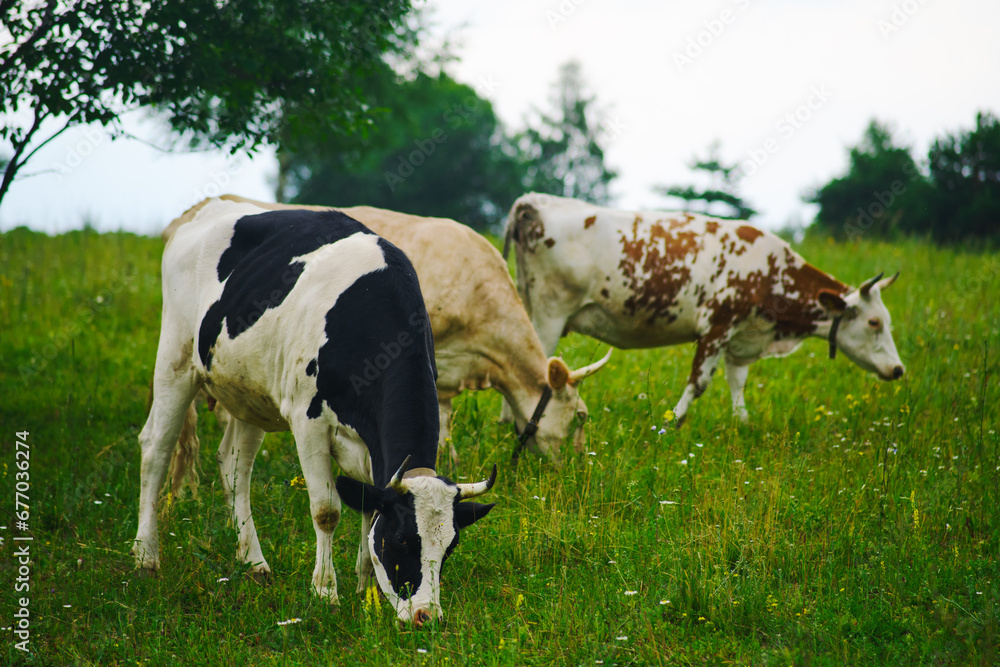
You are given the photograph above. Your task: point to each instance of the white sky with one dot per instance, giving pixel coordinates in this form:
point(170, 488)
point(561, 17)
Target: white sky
point(927, 67)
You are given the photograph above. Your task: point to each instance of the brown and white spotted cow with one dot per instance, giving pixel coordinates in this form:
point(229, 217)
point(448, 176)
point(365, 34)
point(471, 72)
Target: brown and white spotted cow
point(650, 279)
point(482, 336)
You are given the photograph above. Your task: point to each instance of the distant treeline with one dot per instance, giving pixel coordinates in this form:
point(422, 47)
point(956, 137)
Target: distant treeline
point(952, 197)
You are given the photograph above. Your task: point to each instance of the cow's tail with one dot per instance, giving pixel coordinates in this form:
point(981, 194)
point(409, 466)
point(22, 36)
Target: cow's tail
point(522, 213)
point(184, 462)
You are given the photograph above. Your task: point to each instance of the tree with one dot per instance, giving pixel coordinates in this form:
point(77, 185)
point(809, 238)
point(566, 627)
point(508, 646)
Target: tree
point(563, 152)
point(723, 188)
point(965, 172)
point(236, 74)
point(883, 192)
point(437, 149)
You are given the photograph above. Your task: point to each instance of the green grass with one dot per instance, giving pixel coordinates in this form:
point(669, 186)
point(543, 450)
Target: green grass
point(853, 522)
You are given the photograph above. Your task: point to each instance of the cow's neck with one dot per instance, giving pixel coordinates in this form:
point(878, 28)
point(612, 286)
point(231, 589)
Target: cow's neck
point(522, 385)
point(513, 364)
point(800, 314)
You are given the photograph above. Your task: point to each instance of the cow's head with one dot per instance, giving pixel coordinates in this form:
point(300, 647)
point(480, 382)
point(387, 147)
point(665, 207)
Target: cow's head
point(864, 330)
point(414, 530)
point(566, 413)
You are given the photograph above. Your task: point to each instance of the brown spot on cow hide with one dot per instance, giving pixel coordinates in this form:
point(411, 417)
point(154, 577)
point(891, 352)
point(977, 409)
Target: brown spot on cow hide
point(549, 243)
point(711, 227)
point(327, 518)
point(605, 293)
point(589, 222)
point(528, 227)
point(806, 280)
point(748, 233)
point(653, 263)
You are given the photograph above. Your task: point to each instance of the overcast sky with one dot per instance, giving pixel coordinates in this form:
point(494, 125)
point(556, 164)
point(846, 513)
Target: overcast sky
point(786, 85)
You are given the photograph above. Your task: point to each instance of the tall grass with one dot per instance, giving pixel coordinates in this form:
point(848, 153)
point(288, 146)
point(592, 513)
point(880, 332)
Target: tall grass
point(852, 522)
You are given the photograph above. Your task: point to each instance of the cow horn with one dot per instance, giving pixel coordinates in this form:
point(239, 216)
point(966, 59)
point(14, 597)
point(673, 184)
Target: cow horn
point(585, 372)
point(867, 286)
point(885, 282)
point(396, 483)
point(479, 488)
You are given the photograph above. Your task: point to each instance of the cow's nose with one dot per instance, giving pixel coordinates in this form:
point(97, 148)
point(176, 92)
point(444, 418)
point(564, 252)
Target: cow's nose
point(897, 372)
point(420, 617)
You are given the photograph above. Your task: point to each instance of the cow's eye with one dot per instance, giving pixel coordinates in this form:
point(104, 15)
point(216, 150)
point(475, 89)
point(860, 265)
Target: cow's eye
point(581, 415)
point(874, 323)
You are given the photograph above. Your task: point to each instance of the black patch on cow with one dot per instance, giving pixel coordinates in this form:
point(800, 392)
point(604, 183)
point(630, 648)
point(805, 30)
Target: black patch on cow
point(398, 544)
point(259, 270)
point(377, 372)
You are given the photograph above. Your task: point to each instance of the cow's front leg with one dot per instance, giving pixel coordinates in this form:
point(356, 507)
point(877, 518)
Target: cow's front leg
point(312, 439)
point(736, 376)
point(706, 357)
point(364, 567)
point(236, 455)
point(444, 438)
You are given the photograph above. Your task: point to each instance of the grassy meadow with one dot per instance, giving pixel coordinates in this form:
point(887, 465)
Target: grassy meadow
point(853, 522)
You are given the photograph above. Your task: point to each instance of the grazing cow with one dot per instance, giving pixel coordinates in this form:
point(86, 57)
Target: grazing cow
point(649, 279)
point(482, 335)
point(275, 314)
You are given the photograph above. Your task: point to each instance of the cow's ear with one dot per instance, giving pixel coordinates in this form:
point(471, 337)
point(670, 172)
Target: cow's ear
point(833, 302)
point(359, 496)
point(558, 373)
point(468, 513)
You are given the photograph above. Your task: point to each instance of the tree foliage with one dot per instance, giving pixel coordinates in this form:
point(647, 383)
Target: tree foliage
point(882, 193)
point(436, 149)
point(723, 188)
point(235, 73)
point(965, 171)
point(886, 193)
point(562, 150)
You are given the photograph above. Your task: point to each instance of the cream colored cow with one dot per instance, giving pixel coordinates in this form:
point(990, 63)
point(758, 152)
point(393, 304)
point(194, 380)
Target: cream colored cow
point(482, 335)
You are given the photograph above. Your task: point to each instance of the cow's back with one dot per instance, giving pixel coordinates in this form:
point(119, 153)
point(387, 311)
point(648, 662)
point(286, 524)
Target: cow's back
point(639, 278)
point(300, 312)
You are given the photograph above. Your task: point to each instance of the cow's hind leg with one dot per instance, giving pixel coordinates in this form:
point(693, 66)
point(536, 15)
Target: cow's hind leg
point(736, 376)
point(236, 455)
point(174, 387)
point(706, 358)
point(313, 441)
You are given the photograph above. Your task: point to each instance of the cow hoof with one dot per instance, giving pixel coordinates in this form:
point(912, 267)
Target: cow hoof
point(262, 577)
point(328, 594)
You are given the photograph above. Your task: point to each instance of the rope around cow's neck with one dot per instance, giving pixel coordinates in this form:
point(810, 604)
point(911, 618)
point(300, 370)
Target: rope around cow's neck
point(532, 426)
point(833, 336)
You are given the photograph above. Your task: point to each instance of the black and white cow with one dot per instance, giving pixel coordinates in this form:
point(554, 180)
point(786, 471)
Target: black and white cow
point(281, 317)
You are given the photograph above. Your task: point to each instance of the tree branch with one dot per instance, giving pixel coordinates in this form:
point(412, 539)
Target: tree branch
point(45, 26)
point(14, 164)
